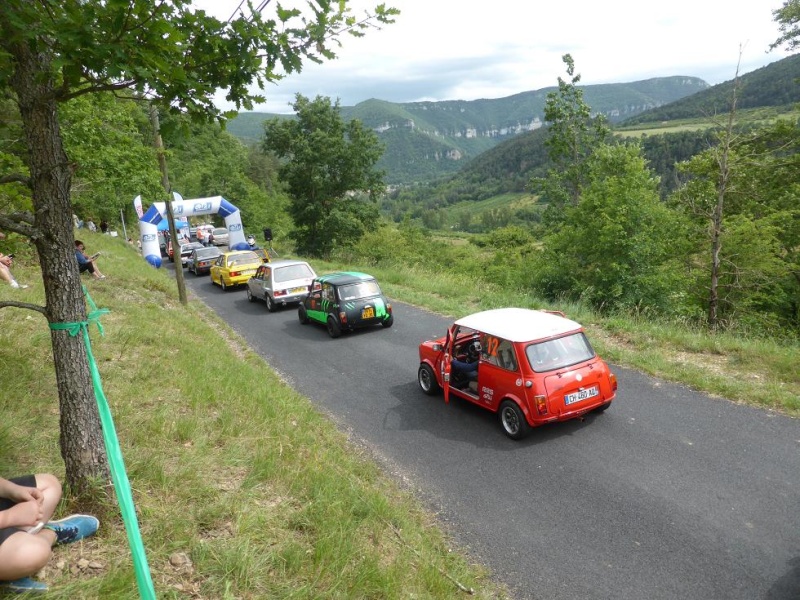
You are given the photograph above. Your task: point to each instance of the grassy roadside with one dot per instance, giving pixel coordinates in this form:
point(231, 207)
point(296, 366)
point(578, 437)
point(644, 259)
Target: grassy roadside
point(243, 489)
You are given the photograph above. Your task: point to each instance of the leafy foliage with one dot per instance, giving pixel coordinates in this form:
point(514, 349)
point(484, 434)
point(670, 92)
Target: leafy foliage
point(619, 245)
point(327, 163)
point(788, 17)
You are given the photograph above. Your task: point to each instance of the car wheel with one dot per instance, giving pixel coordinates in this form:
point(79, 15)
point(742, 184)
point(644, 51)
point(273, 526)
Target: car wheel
point(603, 407)
point(333, 328)
point(388, 322)
point(302, 314)
point(250, 296)
point(222, 285)
point(270, 303)
point(427, 380)
point(513, 420)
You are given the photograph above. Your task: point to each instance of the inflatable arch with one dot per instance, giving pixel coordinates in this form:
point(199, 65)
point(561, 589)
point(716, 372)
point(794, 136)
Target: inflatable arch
point(181, 209)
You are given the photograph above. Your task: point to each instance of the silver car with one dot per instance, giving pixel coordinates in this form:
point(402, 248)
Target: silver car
point(219, 236)
point(281, 282)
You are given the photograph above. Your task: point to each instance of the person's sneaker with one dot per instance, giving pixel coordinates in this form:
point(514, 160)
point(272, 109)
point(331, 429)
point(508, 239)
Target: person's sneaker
point(21, 586)
point(73, 528)
point(18, 286)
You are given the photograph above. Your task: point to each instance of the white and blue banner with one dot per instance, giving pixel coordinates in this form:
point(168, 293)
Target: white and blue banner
point(182, 210)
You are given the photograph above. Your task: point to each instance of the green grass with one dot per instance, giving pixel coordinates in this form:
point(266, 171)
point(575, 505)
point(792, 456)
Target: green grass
point(242, 488)
point(239, 474)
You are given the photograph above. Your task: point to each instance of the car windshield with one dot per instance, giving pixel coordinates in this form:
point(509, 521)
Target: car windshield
point(559, 353)
point(290, 272)
point(206, 253)
point(362, 289)
point(218, 232)
point(241, 259)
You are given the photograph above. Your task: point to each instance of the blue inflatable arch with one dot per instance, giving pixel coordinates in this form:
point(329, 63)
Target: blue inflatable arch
point(182, 209)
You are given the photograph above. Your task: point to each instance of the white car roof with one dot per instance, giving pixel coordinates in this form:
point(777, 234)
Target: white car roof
point(518, 324)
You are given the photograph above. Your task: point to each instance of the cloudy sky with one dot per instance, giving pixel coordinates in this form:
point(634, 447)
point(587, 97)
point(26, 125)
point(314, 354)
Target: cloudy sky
point(465, 49)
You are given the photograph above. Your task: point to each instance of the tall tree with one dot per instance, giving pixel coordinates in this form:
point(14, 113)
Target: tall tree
point(327, 163)
point(573, 134)
point(169, 52)
point(617, 245)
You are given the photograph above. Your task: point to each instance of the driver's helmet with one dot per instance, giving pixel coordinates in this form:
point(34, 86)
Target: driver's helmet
point(251, 240)
point(474, 350)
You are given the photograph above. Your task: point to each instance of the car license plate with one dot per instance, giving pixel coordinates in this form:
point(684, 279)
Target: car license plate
point(249, 272)
point(298, 290)
point(581, 395)
point(368, 312)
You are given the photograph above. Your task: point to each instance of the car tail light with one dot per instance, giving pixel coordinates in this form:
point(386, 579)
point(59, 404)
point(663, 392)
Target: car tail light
point(343, 317)
point(613, 379)
point(280, 293)
point(235, 273)
point(541, 404)
point(388, 308)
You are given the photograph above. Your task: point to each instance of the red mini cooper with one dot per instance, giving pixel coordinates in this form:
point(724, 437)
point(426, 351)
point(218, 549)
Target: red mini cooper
point(529, 366)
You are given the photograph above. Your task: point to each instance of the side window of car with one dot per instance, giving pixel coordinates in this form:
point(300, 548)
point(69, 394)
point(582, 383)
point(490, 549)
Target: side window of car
point(328, 292)
point(499, 352)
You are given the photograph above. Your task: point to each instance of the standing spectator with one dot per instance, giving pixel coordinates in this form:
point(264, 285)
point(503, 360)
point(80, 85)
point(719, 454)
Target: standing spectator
point(27, 535)
point(85, 262)
point(104, 226)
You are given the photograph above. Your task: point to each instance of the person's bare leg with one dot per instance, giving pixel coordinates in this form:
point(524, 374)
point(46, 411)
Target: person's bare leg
point(5, 274)
point(97, 274)
point(23, 554)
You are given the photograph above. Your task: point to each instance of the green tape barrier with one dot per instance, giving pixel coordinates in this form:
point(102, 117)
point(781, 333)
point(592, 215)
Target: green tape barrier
point(118, 475)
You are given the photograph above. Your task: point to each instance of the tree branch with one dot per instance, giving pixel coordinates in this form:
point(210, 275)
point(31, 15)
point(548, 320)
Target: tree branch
point(28, 305)
point(21, 223)
point(16, 178)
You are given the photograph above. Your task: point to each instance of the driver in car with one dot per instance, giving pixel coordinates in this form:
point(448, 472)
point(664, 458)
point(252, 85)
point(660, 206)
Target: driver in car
point(468, 369)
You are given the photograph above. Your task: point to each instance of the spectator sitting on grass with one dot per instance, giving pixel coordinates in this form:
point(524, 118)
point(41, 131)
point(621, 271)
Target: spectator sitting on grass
point(87, 263)
point(5, 269)
point(27, 535)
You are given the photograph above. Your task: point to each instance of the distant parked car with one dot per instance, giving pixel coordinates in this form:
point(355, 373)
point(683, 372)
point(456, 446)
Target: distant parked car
point(346, 301)
point(281, 282)
point(533, 367)
point(201, 259)
point(234, 268)
point(186, 251)
point(219, 236)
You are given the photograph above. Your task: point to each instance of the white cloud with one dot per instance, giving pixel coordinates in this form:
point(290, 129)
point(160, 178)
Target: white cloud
point(464, 49)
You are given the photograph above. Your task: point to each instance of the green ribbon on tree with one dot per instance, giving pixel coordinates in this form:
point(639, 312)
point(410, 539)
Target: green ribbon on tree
point(118, 474)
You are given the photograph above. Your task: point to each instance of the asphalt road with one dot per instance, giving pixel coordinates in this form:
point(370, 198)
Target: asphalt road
point(668, 494)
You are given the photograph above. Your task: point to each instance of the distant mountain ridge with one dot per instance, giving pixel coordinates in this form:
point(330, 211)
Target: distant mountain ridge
point(508, 167)
point(425, 140)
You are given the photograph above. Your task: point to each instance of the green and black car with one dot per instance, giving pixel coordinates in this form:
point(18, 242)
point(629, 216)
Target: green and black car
point(345, 301)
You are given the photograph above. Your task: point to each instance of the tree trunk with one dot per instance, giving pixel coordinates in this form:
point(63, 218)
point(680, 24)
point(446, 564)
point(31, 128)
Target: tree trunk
point(81, 439)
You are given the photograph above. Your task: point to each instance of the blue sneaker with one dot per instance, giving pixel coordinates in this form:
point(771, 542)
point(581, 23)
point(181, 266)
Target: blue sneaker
point(73, 528)
point(21, 586)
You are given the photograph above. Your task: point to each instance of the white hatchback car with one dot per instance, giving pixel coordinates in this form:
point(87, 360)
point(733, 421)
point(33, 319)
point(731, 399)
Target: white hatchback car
point(280, 282)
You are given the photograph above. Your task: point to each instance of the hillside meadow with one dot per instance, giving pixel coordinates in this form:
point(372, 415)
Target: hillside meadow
point(243, 489)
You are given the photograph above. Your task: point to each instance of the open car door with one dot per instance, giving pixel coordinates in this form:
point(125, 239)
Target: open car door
point(446, 366)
